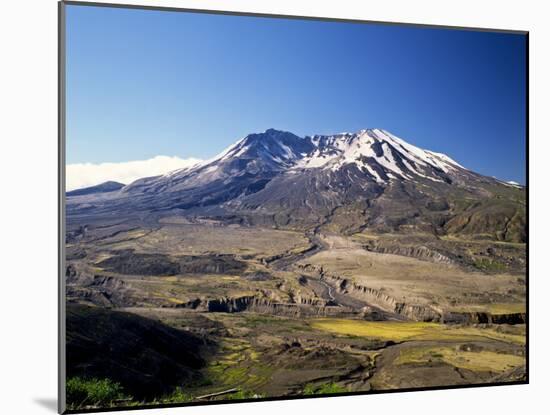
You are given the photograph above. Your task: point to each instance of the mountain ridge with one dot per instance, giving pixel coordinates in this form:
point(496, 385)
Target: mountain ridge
point(277, 178)
point(108, 186)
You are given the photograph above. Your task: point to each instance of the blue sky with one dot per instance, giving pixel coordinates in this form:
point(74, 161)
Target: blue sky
point(147, 83)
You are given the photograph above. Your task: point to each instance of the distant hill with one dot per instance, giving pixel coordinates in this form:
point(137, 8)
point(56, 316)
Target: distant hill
point(99, 188)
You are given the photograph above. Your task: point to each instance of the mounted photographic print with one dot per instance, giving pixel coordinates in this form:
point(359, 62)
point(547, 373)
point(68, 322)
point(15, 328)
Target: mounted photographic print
point(258, 207)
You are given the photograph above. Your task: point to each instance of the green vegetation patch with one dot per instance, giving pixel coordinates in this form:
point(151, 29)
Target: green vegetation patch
point(327, 388)
point(412, 330)
point(384, 330)
point(482, 361)
point(489, 265)
point(177, 396)
point(238, 365)
point(93, 392)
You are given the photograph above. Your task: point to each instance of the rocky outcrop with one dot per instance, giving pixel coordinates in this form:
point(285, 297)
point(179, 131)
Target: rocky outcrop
point(76, 234)
point(228, 305)
point(101, 290)
point(108, 283)
point(265, 306)
point(484, 318)
point(419, 252)
point(418, 312)
point(74, 274)
point(89, 296)
point(465, 318)
point(375, 297)
point(511, 318)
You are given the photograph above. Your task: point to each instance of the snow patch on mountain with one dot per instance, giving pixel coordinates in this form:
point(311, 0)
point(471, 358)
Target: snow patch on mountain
point(513, 184)
point(368, 148)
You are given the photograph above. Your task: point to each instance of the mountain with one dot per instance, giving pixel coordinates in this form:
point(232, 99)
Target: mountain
point(99, 188)
point(344, 183)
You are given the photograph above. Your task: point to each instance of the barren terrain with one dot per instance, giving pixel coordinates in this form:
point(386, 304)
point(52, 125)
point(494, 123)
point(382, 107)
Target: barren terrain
point(284, 312)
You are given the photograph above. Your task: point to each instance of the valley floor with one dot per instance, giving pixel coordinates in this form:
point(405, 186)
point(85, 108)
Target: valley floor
point(230, 312)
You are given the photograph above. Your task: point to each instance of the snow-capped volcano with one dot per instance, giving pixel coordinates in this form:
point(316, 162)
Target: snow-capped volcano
point(378, 154)
point(368, 159)
point(368, 178)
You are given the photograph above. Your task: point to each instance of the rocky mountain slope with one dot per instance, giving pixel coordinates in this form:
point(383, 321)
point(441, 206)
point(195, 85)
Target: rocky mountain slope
point(344, 183)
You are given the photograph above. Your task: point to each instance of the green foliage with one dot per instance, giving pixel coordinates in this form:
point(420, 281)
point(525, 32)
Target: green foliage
point(327, 388)
point(241, 394)
point(486, 264)
point(92, 392)
point(177, 396)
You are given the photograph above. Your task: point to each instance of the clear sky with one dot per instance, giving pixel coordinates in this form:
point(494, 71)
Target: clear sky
point(147, 83)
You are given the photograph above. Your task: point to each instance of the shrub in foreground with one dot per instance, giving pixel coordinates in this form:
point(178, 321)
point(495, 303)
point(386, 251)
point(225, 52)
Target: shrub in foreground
point(92, 392)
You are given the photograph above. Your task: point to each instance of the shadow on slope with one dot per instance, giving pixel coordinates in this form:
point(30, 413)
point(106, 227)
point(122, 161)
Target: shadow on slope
point(145, 356)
